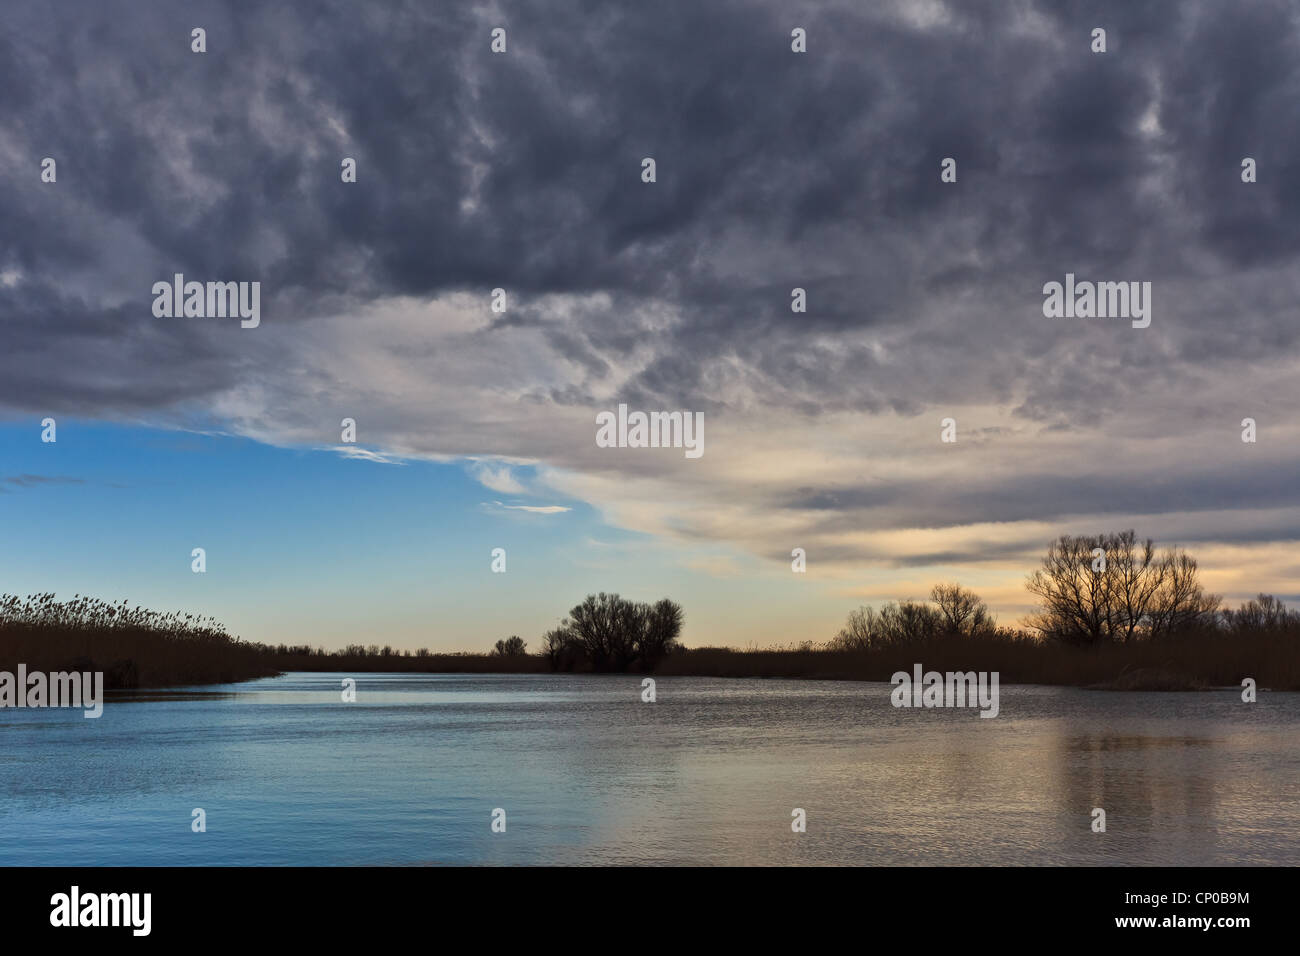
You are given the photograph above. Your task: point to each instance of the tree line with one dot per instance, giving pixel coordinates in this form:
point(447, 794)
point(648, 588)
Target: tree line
point(1091, 590)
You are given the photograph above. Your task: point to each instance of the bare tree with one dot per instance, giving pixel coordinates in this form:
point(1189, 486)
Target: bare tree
point(612, 633)
point(861, 632)
point(663, 626)
point(910, 622)
point(961, 611)
point(1074, 598)
point(1262, 613)
point(896, 624)
point(593, 623)
point(1134, 576)
point(1181, 603)
point(512, 646)
point(1112, 587)
point(561, 647)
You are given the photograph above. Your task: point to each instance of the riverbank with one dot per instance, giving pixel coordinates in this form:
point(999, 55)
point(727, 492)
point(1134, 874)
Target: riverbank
point(132, 646)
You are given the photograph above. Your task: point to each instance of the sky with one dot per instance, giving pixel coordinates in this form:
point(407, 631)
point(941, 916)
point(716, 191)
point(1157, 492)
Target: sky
point(522, 170)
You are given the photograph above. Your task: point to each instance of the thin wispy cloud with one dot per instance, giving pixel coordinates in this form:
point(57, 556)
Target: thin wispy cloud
point(497, 478)
point(365, 454)
point(533, 509)
point(35, 481)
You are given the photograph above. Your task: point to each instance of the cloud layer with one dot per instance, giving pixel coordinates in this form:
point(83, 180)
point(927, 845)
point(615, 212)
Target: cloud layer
point(776, 170)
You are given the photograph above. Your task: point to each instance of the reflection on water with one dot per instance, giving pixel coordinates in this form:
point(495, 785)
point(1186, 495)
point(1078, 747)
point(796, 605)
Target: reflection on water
point(410, 773)
point(129, 696)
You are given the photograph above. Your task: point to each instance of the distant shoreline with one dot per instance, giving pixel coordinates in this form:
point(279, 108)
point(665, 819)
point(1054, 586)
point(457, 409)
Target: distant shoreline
point(139, 649)
point(1191, 663)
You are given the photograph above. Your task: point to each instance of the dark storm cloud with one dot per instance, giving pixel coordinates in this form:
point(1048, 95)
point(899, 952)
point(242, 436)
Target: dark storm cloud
point(1051, 497)
point(774, 171)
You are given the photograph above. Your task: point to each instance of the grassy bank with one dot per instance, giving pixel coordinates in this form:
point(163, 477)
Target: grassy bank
point(132, 646)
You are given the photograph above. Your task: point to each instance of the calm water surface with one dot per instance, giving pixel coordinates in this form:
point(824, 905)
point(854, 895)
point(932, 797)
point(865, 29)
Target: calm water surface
point(586, 773)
